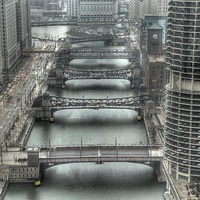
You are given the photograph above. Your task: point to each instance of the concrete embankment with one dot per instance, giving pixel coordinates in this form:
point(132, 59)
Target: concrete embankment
point(3, 188)
point(27, 131)
point(53, 23)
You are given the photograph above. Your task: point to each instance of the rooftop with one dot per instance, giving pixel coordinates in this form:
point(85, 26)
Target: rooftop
point(155, 27)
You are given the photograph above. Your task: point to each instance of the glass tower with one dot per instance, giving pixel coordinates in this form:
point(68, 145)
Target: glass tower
point(182, 94)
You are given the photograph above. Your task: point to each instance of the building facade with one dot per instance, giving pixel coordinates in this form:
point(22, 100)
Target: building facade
point(153, 7)
point(24, 20)
point(162, 7)
point(182, 94)
point(39, 4)
point(47, 4)
point(15, 34)
point(149, 7)
point(72, 9)
point(134, 9)
point(123, 8)
point(98, 11)
point(155, 71)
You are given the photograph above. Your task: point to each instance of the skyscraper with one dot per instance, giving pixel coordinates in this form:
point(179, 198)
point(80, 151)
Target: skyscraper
point(182, 95)
point(134, 10)
point(72, 9)
point(92, 10)
point(153, 7)
point(24, 21)
point(15, 34)
point(162, 7)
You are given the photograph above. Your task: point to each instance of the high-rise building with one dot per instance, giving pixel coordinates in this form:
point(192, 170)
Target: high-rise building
point(153, 7)
point(182, 94)
point(15, 35)
point(162, 7)
point(123, 8)
point(134, 10)
point(72, 9)
point(149, 7)
point(24, 21)
point(92, 10)
point(97, 11)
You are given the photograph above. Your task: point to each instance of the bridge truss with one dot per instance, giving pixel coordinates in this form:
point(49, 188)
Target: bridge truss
point(71, 74)
point(88, 53)
point(59, 103)
point(102, 54)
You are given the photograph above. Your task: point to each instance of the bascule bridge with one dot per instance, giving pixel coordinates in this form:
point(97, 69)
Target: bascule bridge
point(58, 76)
point(29, 163)
point(45, 105)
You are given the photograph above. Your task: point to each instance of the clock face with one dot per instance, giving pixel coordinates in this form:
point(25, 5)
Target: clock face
point(155, 36)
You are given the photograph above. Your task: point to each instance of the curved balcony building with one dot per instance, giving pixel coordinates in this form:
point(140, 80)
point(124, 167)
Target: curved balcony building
point(182, 94)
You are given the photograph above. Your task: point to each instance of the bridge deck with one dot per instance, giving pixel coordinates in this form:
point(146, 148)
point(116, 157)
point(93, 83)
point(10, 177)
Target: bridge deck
point(86, 153)
point(109, 74)
point(146, 160)
point(89, 53)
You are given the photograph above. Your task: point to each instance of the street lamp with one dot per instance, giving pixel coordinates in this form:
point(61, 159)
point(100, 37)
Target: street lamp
point(81, 147)
point(116, 144)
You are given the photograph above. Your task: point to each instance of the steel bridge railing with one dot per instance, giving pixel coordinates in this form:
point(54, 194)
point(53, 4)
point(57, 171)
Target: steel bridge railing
point(109, 74)
point(58, 103)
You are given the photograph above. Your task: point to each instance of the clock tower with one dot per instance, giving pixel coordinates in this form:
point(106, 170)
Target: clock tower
point(154, 40)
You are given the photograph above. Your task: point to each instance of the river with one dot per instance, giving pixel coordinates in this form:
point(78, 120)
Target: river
point(89, 181)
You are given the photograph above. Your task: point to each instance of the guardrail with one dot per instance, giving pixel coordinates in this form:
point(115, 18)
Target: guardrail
point(54, 160)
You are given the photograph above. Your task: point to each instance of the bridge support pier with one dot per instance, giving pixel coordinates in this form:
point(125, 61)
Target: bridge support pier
point(131, 82)
point(108, 42)
point(137, 75)
point(140, 114)
point(159, 172)
point(60, 82)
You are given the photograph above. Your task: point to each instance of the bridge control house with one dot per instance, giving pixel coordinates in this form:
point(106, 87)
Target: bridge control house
point(28, 169)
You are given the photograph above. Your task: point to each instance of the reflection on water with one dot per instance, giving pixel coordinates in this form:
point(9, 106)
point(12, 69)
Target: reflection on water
point(88, 181)
point(93, 126)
